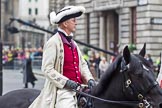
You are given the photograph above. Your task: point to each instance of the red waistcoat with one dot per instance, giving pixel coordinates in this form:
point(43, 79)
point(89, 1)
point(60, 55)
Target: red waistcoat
point(71, 61)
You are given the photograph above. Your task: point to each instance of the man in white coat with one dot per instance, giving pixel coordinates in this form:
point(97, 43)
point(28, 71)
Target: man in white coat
point(63, 65)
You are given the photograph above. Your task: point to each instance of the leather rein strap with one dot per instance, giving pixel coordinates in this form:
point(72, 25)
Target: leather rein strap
point(127, 103)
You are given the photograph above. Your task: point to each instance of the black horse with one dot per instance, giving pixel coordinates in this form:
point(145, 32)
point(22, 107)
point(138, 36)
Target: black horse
point(129, 82)
point(21, 98)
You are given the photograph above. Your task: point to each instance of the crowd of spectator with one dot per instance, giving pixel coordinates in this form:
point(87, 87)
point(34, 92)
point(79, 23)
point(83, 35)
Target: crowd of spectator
point(18, 54)
point(23, 60)
point(154, 63)
point(97, 62)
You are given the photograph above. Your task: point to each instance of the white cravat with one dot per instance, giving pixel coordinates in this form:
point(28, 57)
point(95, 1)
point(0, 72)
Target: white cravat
point(61, 30)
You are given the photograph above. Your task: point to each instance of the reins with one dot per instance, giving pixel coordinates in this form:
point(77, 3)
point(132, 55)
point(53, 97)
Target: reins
point(140, 103)
point(128, 103)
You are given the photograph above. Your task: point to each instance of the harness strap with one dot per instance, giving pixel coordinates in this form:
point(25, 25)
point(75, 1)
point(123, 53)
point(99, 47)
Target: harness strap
point(128, 103)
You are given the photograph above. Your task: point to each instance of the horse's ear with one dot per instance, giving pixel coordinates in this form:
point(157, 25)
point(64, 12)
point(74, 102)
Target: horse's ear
point(126, 54)
point(143, 50)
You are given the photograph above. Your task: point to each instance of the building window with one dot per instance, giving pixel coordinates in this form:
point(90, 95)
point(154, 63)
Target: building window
point(36, 11)
point(133, 37)
point(30, 11)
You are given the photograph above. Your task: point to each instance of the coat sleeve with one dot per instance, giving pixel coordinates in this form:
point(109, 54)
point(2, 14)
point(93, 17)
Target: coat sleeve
point(48, 63)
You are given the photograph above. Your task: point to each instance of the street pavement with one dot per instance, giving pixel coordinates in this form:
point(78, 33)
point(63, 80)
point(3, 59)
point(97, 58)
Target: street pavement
point(13, 80)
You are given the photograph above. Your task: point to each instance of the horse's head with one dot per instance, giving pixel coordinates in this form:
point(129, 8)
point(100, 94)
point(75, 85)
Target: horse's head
point(139, 79)
point(130, 78)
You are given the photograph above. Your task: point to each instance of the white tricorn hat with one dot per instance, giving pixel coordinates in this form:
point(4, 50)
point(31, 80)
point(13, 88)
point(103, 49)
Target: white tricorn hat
point(66, 13)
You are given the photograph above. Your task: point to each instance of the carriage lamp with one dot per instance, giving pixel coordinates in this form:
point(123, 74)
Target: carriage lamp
point(13, 30)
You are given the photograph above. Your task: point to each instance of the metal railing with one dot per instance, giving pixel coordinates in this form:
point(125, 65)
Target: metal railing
point(18, 64)
point(37, 62)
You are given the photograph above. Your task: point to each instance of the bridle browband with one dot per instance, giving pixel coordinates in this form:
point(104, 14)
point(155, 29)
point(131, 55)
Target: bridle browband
point(128, 84)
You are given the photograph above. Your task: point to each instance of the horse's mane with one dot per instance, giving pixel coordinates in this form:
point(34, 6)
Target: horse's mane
point(106, 77)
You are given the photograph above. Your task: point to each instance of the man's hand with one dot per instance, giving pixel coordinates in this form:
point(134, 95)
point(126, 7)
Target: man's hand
point(71, 85)
point(91, 83)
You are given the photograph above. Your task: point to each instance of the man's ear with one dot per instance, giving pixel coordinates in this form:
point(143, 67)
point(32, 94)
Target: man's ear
point(65, 23)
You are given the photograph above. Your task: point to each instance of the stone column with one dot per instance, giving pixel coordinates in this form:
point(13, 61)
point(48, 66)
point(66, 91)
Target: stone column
point(102, 32)
point(2, 18)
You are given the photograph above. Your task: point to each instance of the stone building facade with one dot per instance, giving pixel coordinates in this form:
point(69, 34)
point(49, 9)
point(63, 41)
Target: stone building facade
point(112, 24)
point(30, 11)
point(34, 12)
point(9, 8)
point(2, 18)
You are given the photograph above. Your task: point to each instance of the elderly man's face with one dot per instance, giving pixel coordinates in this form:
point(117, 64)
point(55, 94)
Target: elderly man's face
point(71, 24)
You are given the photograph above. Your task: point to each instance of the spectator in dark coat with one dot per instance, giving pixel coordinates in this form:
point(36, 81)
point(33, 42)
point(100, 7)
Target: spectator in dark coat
point(149, 59)
point(97, 62)
point(28, 76)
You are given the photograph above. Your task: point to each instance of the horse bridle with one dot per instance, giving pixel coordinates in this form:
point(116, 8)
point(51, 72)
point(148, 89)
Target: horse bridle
point(129, 86)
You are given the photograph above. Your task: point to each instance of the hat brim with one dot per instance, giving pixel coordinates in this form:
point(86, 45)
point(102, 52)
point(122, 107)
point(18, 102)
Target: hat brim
point(70, 16)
